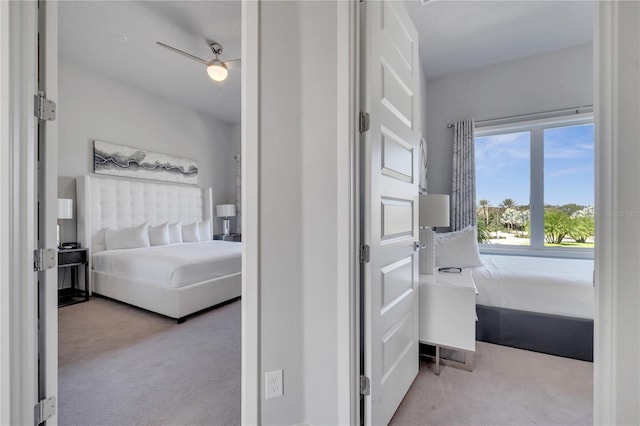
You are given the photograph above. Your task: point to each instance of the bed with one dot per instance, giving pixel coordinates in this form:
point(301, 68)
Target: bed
point(174, 280)
point(535, 303)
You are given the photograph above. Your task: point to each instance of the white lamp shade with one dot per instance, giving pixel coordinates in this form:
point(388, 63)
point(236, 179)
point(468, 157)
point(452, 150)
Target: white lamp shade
point(434, 210)
point(65, 208)
point(226, 210)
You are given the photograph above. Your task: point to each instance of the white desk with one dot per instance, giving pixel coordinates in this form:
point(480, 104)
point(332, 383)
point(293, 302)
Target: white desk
point(448, 314)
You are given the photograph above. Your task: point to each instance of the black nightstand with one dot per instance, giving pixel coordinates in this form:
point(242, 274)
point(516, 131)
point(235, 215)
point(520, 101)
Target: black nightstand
point(74, 259)
point(230, 237)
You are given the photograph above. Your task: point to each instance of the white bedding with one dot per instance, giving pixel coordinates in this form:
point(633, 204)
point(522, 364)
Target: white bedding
point(175, 265)
point(536, 284)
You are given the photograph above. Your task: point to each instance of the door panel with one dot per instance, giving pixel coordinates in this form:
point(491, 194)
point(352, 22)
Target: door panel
point(397, 157)
point(389, 218)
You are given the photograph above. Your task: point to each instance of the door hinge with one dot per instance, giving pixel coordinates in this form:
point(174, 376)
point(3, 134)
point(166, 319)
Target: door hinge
point(365, 253)
point(44, 109)
point(44, 259)
point(45, 409)
point(365, 385)
point(365, 121)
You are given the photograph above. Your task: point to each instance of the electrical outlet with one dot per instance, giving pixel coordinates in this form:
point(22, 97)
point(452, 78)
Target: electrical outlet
point(274, 386)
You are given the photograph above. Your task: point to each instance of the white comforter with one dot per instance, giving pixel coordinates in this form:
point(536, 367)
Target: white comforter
point(175, 265)
point(536, 284)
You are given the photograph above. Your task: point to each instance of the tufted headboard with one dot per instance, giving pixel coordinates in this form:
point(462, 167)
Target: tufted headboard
point(118, 203)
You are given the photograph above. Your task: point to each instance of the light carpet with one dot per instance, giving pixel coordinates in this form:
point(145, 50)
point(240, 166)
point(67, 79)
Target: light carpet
point(507, 387)
point(119, 365)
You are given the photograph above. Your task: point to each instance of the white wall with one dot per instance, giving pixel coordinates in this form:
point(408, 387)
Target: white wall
point(319, 205)
point(281, 275)
point(236, 141)
point(236, 137)
point(92, 106)
point(559, 79)
point(298, 195)
point(422, 87)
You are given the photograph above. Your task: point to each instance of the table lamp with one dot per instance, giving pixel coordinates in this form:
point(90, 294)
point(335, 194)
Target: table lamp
point(434, 211)
point(65, 211)
point(225, 211)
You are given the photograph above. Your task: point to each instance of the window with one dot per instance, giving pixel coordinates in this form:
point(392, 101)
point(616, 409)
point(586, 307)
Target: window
point(535, 184)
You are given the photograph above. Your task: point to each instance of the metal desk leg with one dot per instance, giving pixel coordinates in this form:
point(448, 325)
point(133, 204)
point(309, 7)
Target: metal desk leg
point(437, 366)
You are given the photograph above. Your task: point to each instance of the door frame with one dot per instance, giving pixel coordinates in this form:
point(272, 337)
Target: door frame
point(348, 211)
point(615, 396)
point(250, 154)
point(47, 195)
point(18, 307)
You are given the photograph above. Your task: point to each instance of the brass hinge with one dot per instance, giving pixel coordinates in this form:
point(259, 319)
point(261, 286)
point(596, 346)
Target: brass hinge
point(365, 122)
point(44, 109)
point(44, 259)
point(45, 409)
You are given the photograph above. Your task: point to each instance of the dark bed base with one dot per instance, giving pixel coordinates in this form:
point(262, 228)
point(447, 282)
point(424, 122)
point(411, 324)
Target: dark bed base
point(550, 334)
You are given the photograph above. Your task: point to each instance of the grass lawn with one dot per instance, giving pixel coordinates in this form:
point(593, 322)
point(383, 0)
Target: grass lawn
point(572, 244)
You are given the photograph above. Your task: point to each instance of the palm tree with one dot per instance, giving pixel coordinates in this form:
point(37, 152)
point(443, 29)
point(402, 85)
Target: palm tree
point(485, 204)
point(507, 203)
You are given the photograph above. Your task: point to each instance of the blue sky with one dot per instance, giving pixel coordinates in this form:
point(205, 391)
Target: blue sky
point(502, 166)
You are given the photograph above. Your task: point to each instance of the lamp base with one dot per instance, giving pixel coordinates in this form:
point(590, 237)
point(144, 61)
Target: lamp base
point(225, 226)
point(427, 253)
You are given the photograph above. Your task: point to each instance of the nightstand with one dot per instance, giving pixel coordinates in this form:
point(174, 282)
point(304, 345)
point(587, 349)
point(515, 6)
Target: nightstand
point(230, 237)
point(73, 259)
point(448, 315)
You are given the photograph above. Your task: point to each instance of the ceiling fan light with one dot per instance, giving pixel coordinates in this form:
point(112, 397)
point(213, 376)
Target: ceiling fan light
point(217, 70)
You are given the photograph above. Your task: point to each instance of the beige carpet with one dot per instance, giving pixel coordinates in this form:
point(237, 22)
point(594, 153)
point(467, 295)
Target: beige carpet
point(119, 365)
point(507, 387)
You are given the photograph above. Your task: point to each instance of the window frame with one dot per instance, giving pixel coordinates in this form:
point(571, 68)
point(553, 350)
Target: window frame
point(536, 130)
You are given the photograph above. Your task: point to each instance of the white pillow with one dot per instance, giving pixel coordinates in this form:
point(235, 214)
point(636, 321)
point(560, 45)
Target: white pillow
point(205, 230)
point(190, 233)
point(126, 238)
point(457, 249)
point(159, 235)
point(175, 233)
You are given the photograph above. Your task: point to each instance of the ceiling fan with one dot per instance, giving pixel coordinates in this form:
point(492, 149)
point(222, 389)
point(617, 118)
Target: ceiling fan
point(217, 69)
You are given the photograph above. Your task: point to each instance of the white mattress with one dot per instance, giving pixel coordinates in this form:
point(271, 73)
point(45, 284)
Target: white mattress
point(175, 265)
point(536, 284)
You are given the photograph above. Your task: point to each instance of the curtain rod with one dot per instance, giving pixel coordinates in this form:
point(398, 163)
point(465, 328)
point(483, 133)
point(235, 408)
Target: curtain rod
point(547, 114)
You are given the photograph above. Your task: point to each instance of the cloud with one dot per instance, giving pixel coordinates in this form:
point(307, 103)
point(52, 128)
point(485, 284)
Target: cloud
point(568, 171)
point(568, 152)
point(500, 152)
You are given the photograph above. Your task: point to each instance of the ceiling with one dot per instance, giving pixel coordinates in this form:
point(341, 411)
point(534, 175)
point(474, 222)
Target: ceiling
point(118, 39)
point(456, 35)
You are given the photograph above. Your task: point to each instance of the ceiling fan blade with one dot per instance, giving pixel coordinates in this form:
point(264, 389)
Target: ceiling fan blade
point(233, 64)
point(188, 55)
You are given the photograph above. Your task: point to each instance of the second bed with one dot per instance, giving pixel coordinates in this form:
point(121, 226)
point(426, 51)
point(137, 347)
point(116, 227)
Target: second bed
point(535, 303)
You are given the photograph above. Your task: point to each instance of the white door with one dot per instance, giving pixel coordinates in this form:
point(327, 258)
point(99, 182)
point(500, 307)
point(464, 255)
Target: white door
point(390, 206)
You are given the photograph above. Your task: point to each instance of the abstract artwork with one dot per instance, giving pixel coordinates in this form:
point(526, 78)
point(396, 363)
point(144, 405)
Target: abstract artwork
point(119, 160)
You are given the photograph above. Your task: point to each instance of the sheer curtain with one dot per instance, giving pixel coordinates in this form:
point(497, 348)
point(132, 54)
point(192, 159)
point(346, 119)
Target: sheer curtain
point(463, 186)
